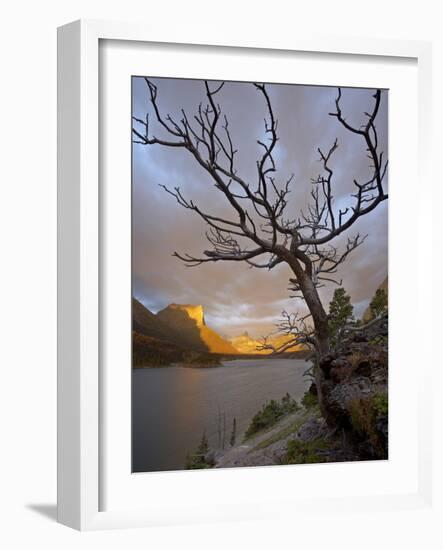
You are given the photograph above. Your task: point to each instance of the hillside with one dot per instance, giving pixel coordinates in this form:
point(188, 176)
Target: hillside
point(153, 343)
point(145, 322)
point(149, 351)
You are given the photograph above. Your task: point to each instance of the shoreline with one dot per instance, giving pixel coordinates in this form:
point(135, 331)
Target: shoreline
point(228, 358)
point(181, 365)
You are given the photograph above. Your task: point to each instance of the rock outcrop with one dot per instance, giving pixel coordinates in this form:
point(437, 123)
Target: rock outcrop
point(355, 389)
point(195, 313)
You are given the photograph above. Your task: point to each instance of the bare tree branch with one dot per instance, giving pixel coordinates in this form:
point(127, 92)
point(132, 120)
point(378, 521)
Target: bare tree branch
point(297, 330)
point(259, 231)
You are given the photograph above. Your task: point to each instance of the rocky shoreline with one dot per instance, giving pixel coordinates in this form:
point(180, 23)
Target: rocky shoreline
point(301, 438)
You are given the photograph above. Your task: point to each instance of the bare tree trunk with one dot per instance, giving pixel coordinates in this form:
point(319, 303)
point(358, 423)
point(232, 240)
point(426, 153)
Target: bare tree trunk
point(319, 315)
point(319, 318)
point(310, 295)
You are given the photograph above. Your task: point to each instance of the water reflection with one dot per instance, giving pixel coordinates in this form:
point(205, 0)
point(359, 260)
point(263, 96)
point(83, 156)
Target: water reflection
point(171, 407)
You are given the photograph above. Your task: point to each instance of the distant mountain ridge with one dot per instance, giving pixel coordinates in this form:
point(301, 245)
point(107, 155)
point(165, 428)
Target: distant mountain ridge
point(246, 344)
point(179, 325)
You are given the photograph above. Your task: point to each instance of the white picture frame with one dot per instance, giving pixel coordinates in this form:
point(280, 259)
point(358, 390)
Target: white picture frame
point(80, 367)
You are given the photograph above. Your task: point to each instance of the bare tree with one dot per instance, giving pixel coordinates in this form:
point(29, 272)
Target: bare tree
point(260, 232)
point(297, 331)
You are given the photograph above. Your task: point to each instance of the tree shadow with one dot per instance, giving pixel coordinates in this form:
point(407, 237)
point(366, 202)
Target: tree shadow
point(48, 511)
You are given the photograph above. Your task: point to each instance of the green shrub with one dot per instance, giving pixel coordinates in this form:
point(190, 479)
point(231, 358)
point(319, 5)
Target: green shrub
point(365, 414)
point(305, 452)
point(271, 413)
point(379, 303)
point(340, 314)
point(198, 460)
point(380, 402)
point(309, 400)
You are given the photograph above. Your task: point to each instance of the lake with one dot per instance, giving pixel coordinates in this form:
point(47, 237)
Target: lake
point(173, 406)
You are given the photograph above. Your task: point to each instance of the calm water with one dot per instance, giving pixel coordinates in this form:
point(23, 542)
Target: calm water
point(173, 406)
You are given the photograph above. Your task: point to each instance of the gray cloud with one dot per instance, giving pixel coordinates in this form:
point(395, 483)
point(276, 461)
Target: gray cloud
point(235, 297)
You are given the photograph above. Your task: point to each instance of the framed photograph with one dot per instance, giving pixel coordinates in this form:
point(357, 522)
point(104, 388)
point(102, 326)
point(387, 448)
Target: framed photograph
point(232, 276)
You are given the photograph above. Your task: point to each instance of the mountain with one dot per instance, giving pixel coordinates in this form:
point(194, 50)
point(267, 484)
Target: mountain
point(245, 344)
point(146, 323)
point(177, 333)
point(189, 321)
point(153, 343)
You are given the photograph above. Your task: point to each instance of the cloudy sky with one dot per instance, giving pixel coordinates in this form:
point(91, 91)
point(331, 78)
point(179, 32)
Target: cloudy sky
point(235, 297)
